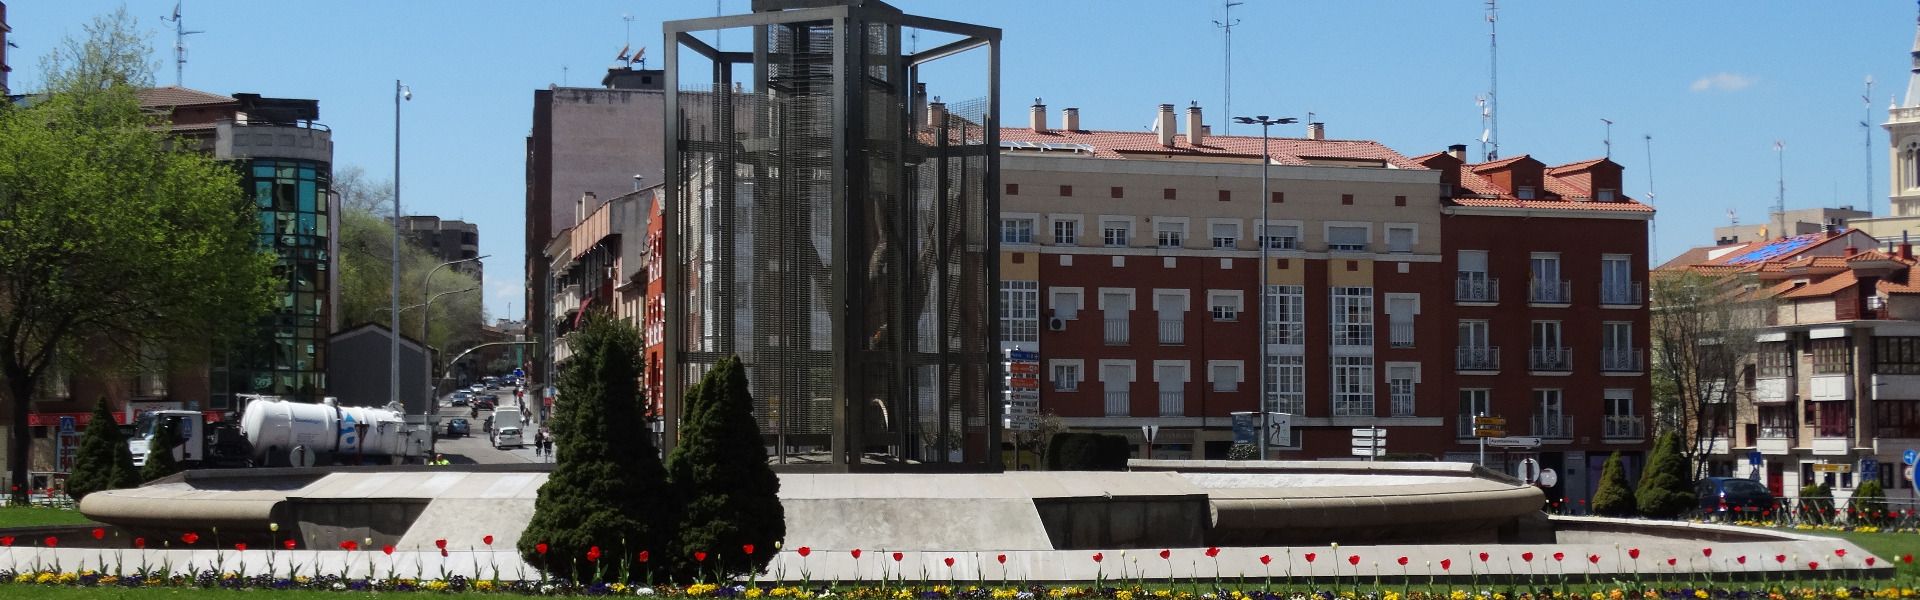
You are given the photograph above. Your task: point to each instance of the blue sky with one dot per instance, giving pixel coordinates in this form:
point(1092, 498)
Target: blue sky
point(1714, 83)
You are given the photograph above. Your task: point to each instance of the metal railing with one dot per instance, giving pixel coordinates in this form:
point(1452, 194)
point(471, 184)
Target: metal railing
point(1116, 331)
point(1117, 404)
point(1476, 289)
point(1483, 358)
point(1173, 404)
point(1623, 427)
point(1559, 428)
point(1621, 294)
point(1551, 359)
point(1543, 291)
point(1622, 360)
point(1400, 336)
point(1173, 332)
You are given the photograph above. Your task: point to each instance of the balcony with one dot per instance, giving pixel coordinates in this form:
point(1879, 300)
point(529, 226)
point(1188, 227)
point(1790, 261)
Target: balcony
point(1550, 359)
point(1485, 358)
point(1621, 294)
point(1286, 334)
point(1624, 427)
point(566, 301)
point(1554, 428)
point(1826, 444)
point(1117, 404)
point(1831, 387)
point(1401, 337)
point(1173, 403)
point(1895, 387)
point(1116, 331)
point(1173, 332)
point(1622, 360)
point(562, 349)
point(1476, 289)
point(1773, 390)
point(1544, 291)
point(1774, 441)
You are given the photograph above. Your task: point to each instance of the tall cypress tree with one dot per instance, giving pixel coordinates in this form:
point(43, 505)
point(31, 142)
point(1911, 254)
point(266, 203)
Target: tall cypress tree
point(1666, 485)
point(103, 461)
point(1615, 496)
point(608, 489)
point(160, 460)
point(720, 469)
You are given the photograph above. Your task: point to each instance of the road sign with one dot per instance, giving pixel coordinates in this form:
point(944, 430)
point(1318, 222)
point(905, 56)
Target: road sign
point(1150, 432)
point(1528, 470)
point(1514, 442)
point(1756, 459)
point(1373, 452)
point(1496, 421)
point(1369, 443)
point(1022, 423)
point(1023, 355)
point(1912, 456)
point(1490, 432)
point(519, 372)
point(1019, 366)
point(1370, 433)
point(1244, 425)
point(1024, 382)
point(1869, 468)
point(1548, 478)
point(1908, 473)
point(1832, 468)
point(66, 425)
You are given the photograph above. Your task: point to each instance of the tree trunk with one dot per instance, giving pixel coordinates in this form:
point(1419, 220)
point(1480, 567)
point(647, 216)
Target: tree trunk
point(21, 443)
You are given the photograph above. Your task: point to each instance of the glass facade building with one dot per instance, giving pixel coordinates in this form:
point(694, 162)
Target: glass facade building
point(288, 358)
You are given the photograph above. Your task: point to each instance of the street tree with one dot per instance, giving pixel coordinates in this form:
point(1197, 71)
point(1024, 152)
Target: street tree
point(103, 461)
point(113, 241)
point(1703, 331)
point(366, 281)
point(731, 497)
point(1615, 496)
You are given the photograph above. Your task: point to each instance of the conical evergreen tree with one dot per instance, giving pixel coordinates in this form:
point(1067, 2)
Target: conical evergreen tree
point(608, 489)
point(1615, 496)
point(733, 511)
point(103, 461)
point(1666, 485)
point(160, 460)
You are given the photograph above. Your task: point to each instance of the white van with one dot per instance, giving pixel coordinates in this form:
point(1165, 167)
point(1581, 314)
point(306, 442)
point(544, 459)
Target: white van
point(505, 437)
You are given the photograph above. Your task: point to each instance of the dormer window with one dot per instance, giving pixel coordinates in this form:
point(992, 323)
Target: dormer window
point(1604, 195)
point(1525, 192)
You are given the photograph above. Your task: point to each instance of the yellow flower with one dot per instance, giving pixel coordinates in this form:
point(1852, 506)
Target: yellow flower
point(1390, 595)
point(1458, 595)
point(482, 585)
point(753, 592)
point(1701, 594)
point(1123, 595)
point(1599, 596)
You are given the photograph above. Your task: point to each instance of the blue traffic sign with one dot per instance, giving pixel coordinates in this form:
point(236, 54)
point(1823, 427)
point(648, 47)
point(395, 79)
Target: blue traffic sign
point(1910, 457)
point(1023, 355)
point(1754, 458)
point(518, 372)
point(1869, 468)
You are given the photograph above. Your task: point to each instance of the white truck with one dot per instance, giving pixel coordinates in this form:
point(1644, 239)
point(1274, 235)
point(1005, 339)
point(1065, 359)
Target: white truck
point(276, 432)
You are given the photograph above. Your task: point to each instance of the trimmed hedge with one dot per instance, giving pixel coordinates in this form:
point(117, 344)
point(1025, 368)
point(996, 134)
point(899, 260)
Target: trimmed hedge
point(1071, 451)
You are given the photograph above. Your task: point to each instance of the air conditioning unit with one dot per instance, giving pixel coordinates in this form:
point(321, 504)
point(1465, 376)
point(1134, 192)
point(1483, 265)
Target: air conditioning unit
point(1056, 324)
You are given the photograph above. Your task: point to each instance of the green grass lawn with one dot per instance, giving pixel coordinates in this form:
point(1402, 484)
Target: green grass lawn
point(1889, 546)
point(30, 516)
point(116, 593)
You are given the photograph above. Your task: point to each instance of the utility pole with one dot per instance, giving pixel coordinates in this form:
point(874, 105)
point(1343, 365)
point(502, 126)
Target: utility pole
point(1866, 132)
point(1266, 242)
point(1653, 224)
point(1780, 201)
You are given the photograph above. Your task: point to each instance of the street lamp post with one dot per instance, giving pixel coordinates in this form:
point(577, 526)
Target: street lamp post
point(1266, 242)
point(426, 320)
point(400, 92)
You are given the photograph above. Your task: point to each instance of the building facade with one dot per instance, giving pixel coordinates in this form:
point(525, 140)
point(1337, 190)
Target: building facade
point(1791, 223)
point(447, 240)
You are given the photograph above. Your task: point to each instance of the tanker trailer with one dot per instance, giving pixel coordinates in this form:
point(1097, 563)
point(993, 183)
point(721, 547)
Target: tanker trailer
point(284, 433)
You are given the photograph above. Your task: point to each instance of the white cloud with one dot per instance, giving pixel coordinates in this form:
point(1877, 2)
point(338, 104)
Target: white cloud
point(509, 293)
point(1724, 82)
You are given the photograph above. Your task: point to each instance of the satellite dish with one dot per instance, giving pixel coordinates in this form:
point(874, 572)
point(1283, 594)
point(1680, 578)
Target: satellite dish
point(1548, 478)
point(300, 456)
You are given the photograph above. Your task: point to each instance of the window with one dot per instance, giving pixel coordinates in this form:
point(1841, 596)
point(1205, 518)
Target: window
point(1476, 352)
point(1346, 198)
point(1115, 379)
point(1013, 189)
point(1353, 386)
point(1066, 376)
point(1616, 274)
point(1550, 415)
point(1286, 314)
point(1547, 285)
point(1896, 418)
point(1224, 305)
point(1114, 232)
point(1548, 353)
point(1171, 308)
point(1399, 200)
point(1400, 381)
point(1775, 359)
point(1473, 403)
point(1830, 419)
point(1116, 306)
point(1066, 232)
point(1170, 233)
point(1347, 238)
point(1226, 196)
point(1279, 197)
point(1066, 191)
point(1281, 237)
point(1287, 384)
point(1224, 374)
point(1776, 421)
point(1117, 192)
point(1171, 375)
point(1016, 231)
point(1471, 284)
point(1831, 356)
point(1400, 239)
point(1618, 421)
point(1225, 235)
point(1524, 192)
point(1020, 311)
point(1167, 194)
point(1066, 302)
point(1604, 195)
point(1910, 167)
point(1400, 311)
point(1352, 316)
point(1896, 356)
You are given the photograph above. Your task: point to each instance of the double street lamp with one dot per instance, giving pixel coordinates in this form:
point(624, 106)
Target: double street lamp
point(1266, 242)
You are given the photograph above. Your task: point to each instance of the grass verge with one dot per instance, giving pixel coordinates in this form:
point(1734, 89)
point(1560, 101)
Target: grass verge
point(35, 516)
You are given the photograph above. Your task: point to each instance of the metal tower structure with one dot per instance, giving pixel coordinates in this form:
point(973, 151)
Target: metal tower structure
point(1226, 27)
point(1492, 111)
point(180, 34)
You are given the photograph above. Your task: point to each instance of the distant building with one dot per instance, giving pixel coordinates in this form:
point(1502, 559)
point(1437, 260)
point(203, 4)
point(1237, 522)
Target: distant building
point(448, 240)
point(361, 369)
point(5, 67)
point(599, 265)
point(1791, 223)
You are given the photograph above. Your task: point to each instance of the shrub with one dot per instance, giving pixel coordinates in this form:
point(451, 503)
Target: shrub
point(719, 467)
point(103, 461)
point(1869, 503)
point(608, 489)
point(1815, 502)
point(1666, 486)
point(1243, 452)
point(1071, 451)
point(1615, 496)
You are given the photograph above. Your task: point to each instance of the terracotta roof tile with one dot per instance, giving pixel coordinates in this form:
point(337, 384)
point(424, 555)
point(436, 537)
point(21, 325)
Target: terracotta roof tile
point(1285, 151)
point(1898, 288)
point(1577, 166)
point(1825, 287)
point(1623, 205)
point(179, 96)
point(1495, 165)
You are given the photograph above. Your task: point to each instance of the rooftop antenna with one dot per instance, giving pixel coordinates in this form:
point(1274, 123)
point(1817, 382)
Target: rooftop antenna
point(1866, 132)
point(1608, 141)
point(1780, 200)
point(1226, 27)
point(1492, 110)
point(180, 34)
point(1653, 225)
point(629, 19)
point(1486, 115)
point(1732, 217)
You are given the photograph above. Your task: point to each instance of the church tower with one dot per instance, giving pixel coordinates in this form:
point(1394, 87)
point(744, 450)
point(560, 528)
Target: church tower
point(1903, 133)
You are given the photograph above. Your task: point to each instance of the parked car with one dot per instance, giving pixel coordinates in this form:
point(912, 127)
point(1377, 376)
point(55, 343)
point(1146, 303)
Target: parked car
point(1719, 494)
point(458, 427)
point(459, 401)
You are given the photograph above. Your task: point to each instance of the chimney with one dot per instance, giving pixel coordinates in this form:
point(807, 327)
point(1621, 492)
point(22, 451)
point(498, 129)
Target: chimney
point(1196, 129)
point(580, 208)
point(1316, 131)
point(936, 114)
point(1037, 116)
point(1070, 119)
point(920, 103)
point(1458, 151)
point(1850, 251)
point(1906, 248)
point(1165, 125)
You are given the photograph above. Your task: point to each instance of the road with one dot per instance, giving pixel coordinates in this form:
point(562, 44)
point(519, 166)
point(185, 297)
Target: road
point(475, 448)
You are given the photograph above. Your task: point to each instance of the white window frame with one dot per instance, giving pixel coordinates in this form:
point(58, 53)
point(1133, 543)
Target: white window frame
point(1413, 236)
point(1353, 386)
point(1460, 265)
point(1326, 234)
point(1182, 373)
point(1525, 192)
point(1357, 332)
point(1030, 220)
point(1475, 402)
point(1278, 242)
point(1233, 301)
point(1066, 302)
point(1286, 314)
point(1075, 366)
point(1287, 383)
point(1124, 376)
point(1214, 237)
point(1400, 327)
point(1022, 295)
point(1111, 222)
point(1403, 381)
point(1616, 277)
point(1163, 226)
point(1079, 229)
point(1236, 373)
point(1610, 396)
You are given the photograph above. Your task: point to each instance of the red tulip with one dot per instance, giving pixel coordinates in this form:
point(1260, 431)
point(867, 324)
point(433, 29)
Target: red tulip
point(1707, 552)
point(1559, 556)
point(141, 542)
point(1907, 559)
point(1780, 558)
point(1213, 552)
point(1842, 553)
point(1483, 557)
point(487, 540)
point(747, 548)
point(99, 533)
point(1310, 556)
point(1526, 556)
point(1165, 554)
point(241, 547)
point(804, 551)
point(1097, 556)
point(1593, 558)
point(1633, 553)
point(697, 556)
point(288, 544)
point(6, 540)
point(949, 561)
point(387, 549)
point(441, 544)
point(541, 549)
point(1742, 559)
point(1813, 565)
point(593, 554)
point(1672, 561)
point(1446, 564)
point(856, 553)
point(443, 553)
point(1869, 561)
point(644, 556)
point(1002, 558)
point(52, 542)
point(1265, 559)
point(1353, 559)
point(1403, 561)
point(190, 538)
point(897, 556)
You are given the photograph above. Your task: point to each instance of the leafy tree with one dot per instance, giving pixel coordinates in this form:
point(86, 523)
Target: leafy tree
point(1869, 503)
point(1702, 336)
point(1666, 485)
point(720, 469)
point(103, 461)
point(112, 243)
point(608, 489)
point(160, 460)
point(1615, 496)
point(366, 280)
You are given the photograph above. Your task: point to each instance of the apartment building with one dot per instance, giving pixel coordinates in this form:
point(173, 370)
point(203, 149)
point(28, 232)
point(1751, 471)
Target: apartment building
point(448, 240)
point(1788, 224)
point(601, 264)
